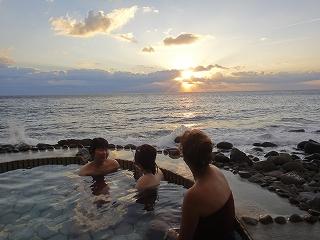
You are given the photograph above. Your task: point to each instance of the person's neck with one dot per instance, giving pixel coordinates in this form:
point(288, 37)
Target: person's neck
point(198, 175)
point(98, 162)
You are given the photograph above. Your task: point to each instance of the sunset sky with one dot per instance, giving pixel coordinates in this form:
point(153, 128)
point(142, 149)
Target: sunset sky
point(110, 46)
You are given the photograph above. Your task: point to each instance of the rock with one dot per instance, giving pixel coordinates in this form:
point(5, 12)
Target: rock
point(280, 220)
point(244, 174)
point(111, 146)
point(257, 144)
point(312, 147)
point(220, 157)
point(255, 159)
point(281, 159)
point(130, 146)
point(268, 144)
point(34, 149)
point(256, 178)
point(119, 147)
point(293, 166)
point(177, 139)
point(292, 178)
point(313, 212)
point(249, 220)
point(313, 156)
point(293, 201)
point(301, 145)
point(68, 142)
point(315, 202)
point(297, 130)
point(295, 218)
point(271, 153)
point(224, 145)
point(65, 147)
point(310, 219)
point(265, 219)
point(42, 146)
point(173, 152)
point(23, 147)
point(238, 156)
point(265, 166)
point(303, 206)
point(257, 149)
point(275, 173)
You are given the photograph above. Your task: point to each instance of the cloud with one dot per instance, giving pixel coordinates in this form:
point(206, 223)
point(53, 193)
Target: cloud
point(150, 10)
point(30, 81)
point(5, 58)
point(128, 37)
point(183, 38)
point(95, 23)
point(208, 68)
point(148, 49)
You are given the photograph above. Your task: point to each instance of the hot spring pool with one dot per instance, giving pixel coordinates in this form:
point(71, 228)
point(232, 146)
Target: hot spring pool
point(53, 202)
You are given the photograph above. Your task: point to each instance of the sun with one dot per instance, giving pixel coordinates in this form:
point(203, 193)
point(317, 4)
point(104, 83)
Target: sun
point(187, 86)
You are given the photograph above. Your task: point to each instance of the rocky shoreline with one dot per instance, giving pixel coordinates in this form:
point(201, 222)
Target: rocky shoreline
point(295, 175)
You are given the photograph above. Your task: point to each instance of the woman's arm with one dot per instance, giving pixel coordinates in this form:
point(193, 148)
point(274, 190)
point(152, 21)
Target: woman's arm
point(190, 217)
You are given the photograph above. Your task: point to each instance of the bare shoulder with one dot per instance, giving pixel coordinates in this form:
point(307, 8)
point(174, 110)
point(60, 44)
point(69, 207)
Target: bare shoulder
point(85, 169)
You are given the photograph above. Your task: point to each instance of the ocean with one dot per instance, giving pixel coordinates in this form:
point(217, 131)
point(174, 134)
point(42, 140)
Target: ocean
point(241, 118)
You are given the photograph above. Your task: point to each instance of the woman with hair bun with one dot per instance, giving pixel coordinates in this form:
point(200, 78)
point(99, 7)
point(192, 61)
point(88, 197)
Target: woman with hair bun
point(208, 207)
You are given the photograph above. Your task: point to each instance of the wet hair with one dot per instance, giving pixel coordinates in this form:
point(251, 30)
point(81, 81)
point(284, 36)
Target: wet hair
point(196, 149)
point(145, 156)
point(97, 143)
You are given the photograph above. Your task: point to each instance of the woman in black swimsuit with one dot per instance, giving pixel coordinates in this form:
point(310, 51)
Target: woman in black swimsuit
point(208, 206)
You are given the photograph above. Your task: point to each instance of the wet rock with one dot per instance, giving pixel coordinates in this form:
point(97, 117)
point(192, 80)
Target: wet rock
point(265, 166)
point(50, 148)
point(42, 146)
point(271, 153)
point(265, 219)
point(315, 202)
point(296, 166)
point(225, 145)
point(244, 174)
point(130, 146)
point(34, 149)
point(173, 152)
point(280, 220)
point(23, 147)
point(313, 156)
point(301, 145)
point(303, 206)
point(220, 157)
point(256, 178)
point(119, 147)
point(177, 139)
point(313, 212)
point(312, 147)
point(238, 156)
point(76, 142)
point(310, 219)
point(281, 159)
point(275, 173)
point(295, 218)
point(297, 130)
point(257, 144)
point(249, 220)
point(268, 144)
point(293, 201)
point(292, 178)
point(65, 147)
point(111, 146)
point(255, 159)
point(257, 149)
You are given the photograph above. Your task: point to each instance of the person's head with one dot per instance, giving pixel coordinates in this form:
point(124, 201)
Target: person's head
point(145, 158)
point(196, 149)
point(99, 149)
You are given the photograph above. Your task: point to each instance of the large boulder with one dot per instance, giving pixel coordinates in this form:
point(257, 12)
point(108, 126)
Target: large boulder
point(268, 144)
point(296, 166)
point(271, 153)
point(281, 159)
point(292, 178)
point(220, 157)
point(238, 156)
point(265, 166)
point(224, 145)
point(312, 147)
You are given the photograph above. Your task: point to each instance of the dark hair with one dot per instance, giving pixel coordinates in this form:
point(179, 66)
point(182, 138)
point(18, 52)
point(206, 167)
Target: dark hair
point(196, 149)
point(146, 157)
point(97, 143)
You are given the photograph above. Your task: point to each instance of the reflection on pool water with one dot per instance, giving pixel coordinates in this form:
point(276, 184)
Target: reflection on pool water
point(53, 202)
